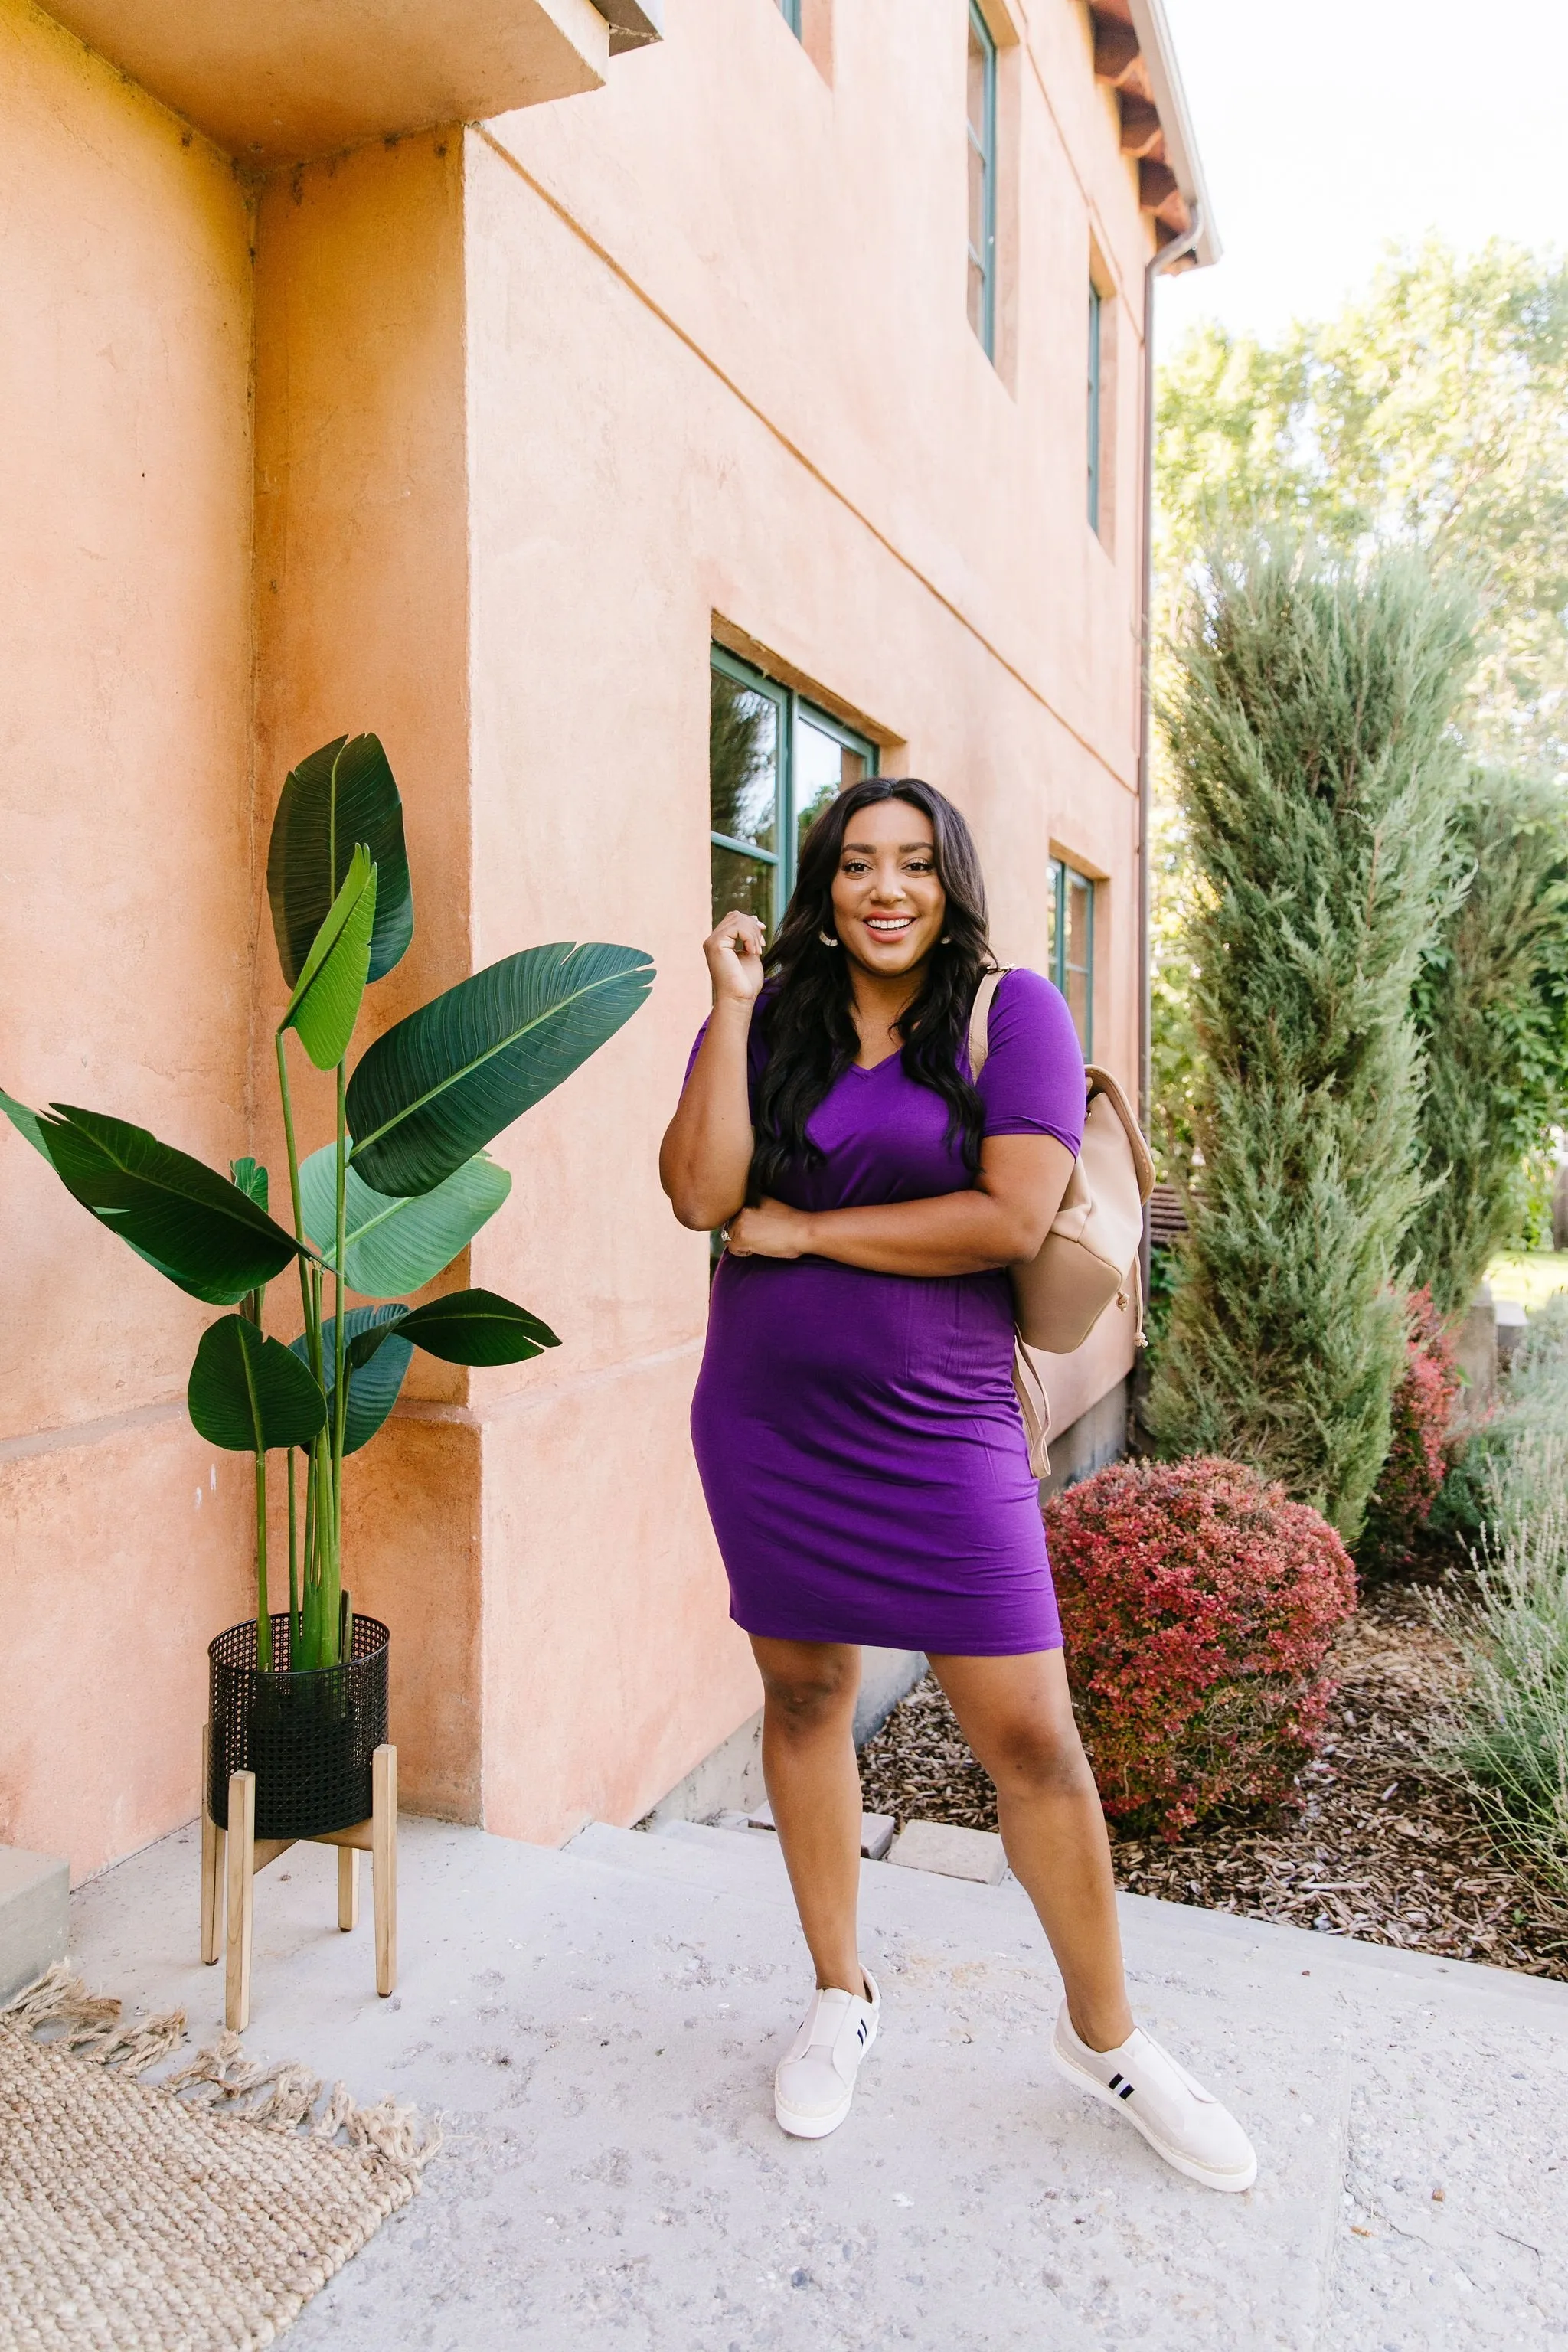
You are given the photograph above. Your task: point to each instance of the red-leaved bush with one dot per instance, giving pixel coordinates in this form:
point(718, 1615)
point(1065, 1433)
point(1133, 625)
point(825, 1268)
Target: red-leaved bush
point(1417, 1457)
point(1197, 1604)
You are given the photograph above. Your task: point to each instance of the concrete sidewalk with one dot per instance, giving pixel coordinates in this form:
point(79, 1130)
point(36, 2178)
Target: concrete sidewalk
point(597, 2029)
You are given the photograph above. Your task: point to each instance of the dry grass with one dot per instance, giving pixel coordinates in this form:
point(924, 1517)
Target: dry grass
point(1380, 1848)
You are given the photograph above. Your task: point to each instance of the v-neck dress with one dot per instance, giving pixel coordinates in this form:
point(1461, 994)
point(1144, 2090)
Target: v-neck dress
point(857, 1435)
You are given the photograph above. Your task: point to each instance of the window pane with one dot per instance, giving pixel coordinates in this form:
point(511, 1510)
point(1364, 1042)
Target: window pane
point(742, 882)
point(824, 767)
point(977, 298)
point(791, 9)
point(1076, 994)
point(1078, 959)
point(1079, 919)
point(976, 196)
point(743, 762)
point(1054, 936)
point(819, 775)
point(1094, 346)
point(980, 107)
point(979, 78)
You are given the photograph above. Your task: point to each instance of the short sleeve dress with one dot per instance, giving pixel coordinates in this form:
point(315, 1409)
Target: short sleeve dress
point(857, 1435)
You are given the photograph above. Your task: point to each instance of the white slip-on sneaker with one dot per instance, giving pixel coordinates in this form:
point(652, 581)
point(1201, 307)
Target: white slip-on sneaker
point(1177, 2117)
point(813, 2086)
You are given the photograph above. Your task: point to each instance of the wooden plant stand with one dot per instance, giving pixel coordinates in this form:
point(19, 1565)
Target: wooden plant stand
point(246, 1854)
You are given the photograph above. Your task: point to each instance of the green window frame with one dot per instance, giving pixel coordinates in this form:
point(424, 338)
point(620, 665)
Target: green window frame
point(1095, 347)
point(790, 11)
point(979, 116)
point(771, 769)
point(1070, 945)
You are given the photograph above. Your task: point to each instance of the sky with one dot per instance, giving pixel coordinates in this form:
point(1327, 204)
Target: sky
point(1328, 127)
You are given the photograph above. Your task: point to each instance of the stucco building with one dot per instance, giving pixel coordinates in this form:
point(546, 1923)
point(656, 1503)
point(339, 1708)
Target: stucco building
point(525, 388)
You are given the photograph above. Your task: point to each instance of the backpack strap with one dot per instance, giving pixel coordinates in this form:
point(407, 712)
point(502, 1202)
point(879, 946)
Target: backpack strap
point(980, 1018)
point(1036, 1407)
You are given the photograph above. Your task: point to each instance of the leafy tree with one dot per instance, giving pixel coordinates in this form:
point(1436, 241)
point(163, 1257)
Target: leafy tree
point(1173, 1046)
point(1491, 1006)
point(1432, 412)
point(1308, 728)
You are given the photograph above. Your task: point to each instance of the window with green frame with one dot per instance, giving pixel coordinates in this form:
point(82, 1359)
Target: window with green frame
point(774, 760)
point(1096, 348)
point(1070, 945)
point(982, 131)
point(790, 11)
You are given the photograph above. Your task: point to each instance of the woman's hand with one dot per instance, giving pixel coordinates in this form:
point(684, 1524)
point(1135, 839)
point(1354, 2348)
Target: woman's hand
point(770, 1230)
point(734, 953)
point(706, 1157)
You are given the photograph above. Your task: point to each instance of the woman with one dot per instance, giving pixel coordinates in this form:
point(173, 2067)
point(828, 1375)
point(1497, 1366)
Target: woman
point(855, 1429)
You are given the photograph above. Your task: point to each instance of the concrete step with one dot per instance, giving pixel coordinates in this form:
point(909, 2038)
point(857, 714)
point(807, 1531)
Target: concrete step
point(35, 1895)
point(1157, 1934)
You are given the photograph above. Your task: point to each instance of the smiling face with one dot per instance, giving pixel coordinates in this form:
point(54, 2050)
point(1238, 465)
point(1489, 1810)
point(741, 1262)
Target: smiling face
point(889, 903)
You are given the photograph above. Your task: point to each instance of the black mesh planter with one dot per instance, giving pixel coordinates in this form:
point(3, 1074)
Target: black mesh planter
point(309, 1738)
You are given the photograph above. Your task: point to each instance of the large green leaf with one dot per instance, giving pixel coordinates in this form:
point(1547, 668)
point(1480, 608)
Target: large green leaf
point(397, 1242)
point(251, 1178)
point(341, 796)
point(205, 1234)
point(25, 1121)
point(468, 1327)
point(250, 1394)
point(373, 1386)
point(440, 1085)
point(326, 1000)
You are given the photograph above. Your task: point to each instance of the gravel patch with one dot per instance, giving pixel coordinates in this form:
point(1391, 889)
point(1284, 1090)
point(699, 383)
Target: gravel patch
point(1379, 1848)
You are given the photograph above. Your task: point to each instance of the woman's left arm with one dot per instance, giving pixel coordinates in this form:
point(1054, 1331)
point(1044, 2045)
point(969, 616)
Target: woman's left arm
point(1000, 1220)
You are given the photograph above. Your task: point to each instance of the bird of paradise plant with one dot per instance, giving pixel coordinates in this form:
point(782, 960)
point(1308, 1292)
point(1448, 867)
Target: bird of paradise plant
point(383, 1209)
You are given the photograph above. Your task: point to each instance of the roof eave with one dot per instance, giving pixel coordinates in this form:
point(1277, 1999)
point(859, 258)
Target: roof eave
point(1170, 100)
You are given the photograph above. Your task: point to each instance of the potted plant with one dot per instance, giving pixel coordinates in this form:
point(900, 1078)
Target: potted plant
point(299, 1695)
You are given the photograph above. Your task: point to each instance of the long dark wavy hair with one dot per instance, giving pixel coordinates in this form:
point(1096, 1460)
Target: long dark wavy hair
point(806, 1013)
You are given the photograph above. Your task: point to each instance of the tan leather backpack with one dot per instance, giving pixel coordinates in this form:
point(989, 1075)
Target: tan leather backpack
point(1088, 1260)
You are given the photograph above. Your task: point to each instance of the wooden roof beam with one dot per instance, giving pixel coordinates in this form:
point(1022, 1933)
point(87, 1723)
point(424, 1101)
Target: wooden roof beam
point(1115, 48)
point(1140, 133)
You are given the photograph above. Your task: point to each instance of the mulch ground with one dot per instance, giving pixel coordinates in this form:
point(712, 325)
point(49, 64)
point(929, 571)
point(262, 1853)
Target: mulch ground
point(1380, 1848)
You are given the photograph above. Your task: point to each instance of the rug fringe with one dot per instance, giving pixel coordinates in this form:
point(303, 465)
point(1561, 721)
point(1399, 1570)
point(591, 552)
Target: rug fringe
point(90, 2024)
point(283, 2097)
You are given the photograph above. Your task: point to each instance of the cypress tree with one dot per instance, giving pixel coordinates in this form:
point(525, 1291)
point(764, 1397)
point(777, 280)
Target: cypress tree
point(1492, 1007)
point(1306, 726)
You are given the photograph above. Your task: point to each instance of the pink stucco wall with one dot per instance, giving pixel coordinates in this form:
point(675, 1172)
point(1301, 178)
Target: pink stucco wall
point(362, 600)
point(125, 916)
point(532, 412)
point(744, 399)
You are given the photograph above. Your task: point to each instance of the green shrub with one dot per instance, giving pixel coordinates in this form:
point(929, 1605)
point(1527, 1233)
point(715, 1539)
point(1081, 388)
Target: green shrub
point(1510, 1739)
point(1415, 1468)
point(1492, 1007)
point(1306, 730)
point(1198, 1603)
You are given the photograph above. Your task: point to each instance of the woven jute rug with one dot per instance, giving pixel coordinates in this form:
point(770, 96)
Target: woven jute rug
point(196, 2214)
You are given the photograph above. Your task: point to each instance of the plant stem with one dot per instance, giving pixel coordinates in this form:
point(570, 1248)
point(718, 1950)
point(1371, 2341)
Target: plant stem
point(325, 1636)
point(308, 1548)
point(288, 1101)
point(340, 1352)
point(263, 1615)
point(308, 1557)
point(293, 1565)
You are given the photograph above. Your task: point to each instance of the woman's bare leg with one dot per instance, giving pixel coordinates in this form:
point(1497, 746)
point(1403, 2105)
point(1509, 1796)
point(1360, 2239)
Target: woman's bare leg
point(1017, 1715)
point(814, 1788)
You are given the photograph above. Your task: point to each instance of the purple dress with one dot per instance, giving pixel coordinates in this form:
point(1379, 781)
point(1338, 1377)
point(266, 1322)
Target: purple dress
point(859, 1440)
